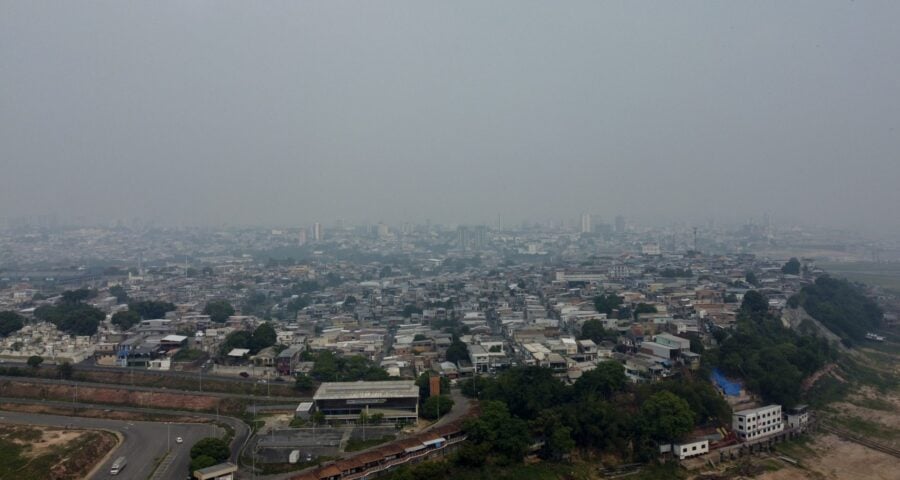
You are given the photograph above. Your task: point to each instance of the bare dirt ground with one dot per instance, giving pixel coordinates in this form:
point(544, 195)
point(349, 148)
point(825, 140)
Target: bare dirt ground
point(836, 459)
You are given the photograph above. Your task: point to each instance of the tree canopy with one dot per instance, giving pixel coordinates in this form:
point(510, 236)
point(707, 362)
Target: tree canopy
point(665, 417)
point(73, 318)
point(262, 337)
point(119, 292)
point(593, 330)
point(151, 309)
point(328, 367)
point(792, 267)
point(126, 319)
point(773, 360)
point(218, 310)
point(606, 303)
point(76, 296)
point(457, 351)
point(840, 306)
point(602, 410)
point(209, 451)
point(10, 322)
point(436, 407)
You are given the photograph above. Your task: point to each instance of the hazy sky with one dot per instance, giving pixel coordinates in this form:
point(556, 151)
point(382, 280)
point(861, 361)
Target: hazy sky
point(291, 112)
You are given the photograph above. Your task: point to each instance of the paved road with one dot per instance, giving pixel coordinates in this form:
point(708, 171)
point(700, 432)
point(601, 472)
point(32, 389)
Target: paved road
point(144, 443)
point(241, 430)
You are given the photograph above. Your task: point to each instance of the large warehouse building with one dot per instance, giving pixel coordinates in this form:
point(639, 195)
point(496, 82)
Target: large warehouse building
point(397, 401)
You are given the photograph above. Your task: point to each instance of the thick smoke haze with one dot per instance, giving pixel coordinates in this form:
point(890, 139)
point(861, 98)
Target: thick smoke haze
point(211, 112)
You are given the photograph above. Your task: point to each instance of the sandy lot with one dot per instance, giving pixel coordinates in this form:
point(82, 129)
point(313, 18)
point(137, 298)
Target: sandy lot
point(836, 459)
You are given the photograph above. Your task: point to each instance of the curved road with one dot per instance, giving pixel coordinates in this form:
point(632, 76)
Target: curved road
point(144, 443)
point(155, 443)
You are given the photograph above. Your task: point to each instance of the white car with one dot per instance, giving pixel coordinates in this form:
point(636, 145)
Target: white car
point(179, 440)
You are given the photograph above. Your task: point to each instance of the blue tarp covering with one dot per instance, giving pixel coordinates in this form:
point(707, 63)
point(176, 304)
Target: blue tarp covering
point(730, 388)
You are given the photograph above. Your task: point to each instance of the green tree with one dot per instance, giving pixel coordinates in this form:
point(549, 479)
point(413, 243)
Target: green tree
point(263, 337)
point(841, 306)
point(496, 433)
point(750, 278)
point(664, 417)
point(151, 309)
point(215, 448)
point(119, 292)
point(77, 296)
point(644, 308)
point(606, 303)
point(297, 304)
point(754, 304)
point(792, 267)
point(126, 319)
point(559, 443)
point(236, 339)
point(202, 461)
point(457, 351)
point(10, 322)
point(436, 407)
point(318, 418)
point(303, 383)
point(218, 310)
point(411, 309)
point(593, 330)
point(604, 380)
point(35, 361)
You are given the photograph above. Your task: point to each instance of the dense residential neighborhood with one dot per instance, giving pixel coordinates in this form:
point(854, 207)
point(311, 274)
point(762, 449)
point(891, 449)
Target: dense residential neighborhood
point(384, 327)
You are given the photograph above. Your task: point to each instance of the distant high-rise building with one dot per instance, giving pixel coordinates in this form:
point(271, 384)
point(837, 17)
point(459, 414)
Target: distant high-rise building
point(620, 224)
point(586, 223)
point(479, 237)
point(301, 237)
point(463, 237)
point(471, 237)
point(317, 232)
point(383, 231)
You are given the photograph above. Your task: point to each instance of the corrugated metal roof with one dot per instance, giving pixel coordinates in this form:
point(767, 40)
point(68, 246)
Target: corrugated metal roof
point(362, 390)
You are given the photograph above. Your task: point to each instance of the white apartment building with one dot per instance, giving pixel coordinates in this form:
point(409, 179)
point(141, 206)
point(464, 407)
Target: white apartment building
point(758, 422)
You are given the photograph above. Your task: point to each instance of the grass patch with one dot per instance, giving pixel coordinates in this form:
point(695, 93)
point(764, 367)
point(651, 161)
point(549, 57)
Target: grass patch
point(866, 375)
point(662, 471)
point(188, 355)
point(827, 390)
point(873, 404)
point(864, 427)
point(355, 445)
point(797, 449)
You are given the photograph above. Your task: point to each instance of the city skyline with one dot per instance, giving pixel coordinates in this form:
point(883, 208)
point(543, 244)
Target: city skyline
point(239, 115)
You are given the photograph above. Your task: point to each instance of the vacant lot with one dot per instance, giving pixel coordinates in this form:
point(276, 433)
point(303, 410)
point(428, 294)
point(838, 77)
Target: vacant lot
point(31, 452)
point(831, 458)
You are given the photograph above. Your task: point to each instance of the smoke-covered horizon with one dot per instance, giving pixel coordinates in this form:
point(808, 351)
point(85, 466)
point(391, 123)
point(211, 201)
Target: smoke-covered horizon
point(289, 113)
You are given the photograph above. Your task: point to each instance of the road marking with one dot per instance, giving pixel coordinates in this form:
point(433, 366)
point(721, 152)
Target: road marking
point(163, 466)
